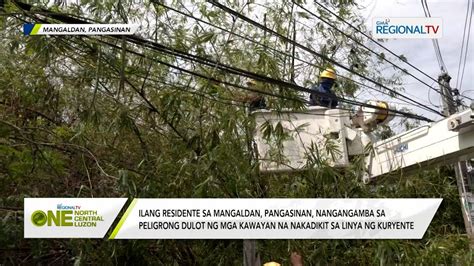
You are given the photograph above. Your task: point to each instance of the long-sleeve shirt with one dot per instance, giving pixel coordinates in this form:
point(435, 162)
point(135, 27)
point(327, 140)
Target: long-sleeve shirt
point(323, 87)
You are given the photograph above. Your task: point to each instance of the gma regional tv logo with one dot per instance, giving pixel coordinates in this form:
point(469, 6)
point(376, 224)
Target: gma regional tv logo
point(407, 28)
point(66, 215)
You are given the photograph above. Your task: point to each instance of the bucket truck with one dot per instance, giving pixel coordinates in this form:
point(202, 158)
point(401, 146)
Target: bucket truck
point(289, 141)
point(336, 136)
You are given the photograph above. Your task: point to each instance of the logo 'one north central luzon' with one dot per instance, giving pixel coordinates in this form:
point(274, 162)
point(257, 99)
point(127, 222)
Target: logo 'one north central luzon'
point(66, 215)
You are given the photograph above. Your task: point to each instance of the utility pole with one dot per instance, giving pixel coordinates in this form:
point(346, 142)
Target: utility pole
point(449, 106)
point(251, 256)
point(463, 169)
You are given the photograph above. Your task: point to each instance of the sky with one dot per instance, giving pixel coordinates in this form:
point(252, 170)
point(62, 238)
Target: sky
point(420, 52)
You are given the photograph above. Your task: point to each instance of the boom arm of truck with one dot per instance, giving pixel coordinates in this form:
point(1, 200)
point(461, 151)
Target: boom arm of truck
point(442, 142)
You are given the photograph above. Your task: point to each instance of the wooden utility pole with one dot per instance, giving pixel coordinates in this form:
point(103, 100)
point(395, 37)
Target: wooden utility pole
point(251, 256)
point(463, 169)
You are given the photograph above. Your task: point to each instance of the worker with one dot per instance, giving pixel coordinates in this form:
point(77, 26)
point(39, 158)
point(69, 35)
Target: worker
point(254, 99)
point(326, 82)
point(296, 260)
point(272, 263)
point(257, 101)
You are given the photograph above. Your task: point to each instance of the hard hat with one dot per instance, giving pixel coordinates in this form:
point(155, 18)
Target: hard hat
point(382, 115)
point(328, 73)
point(373, 116)
point(272, 263)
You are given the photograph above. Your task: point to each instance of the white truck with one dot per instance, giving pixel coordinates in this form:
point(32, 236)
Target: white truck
point(335, 137)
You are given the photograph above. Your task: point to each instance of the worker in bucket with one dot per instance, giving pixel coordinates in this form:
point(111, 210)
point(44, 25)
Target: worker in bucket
point(257, 101)
point(254, 99)
point(326, 82)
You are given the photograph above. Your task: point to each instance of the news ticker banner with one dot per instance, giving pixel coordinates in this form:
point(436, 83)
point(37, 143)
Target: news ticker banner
point(79, 29)
point(229, 218)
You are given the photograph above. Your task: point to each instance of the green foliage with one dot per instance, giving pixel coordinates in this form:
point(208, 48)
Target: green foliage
point(69, 129)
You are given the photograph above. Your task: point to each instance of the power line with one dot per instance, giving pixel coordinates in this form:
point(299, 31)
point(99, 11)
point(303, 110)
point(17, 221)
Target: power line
point(437, 53)
point(207, 61)
point(262, 78)
point(194, 58)
point(439, 57)
point(429, 99)
point(381, 45)
point(233, 12)
point(273, 81)
point(467, 48)
point(400, 114)
point(272, 49)
point(182, 88)
point(462, 43)
point(187, 89)
point(363, 45)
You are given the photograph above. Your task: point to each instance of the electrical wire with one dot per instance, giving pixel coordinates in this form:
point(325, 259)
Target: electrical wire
point(66, 18)
point(226, 101)
point(363, 45)
point(293, 86)
point(439, 57)
point(467, 48)
point(264, 92)
point(181, 87)
point(462, 43)
point(194, 58)
point(429, 99)
point(381, 45)
point(435, 42)
point(273, 49)
point(235, 85)
point(286, 39)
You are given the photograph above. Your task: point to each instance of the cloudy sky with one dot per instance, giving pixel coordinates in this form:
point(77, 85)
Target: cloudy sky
point(420, 52)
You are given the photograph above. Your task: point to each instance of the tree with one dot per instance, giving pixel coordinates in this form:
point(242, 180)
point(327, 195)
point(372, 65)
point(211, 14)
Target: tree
point(105, 117)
